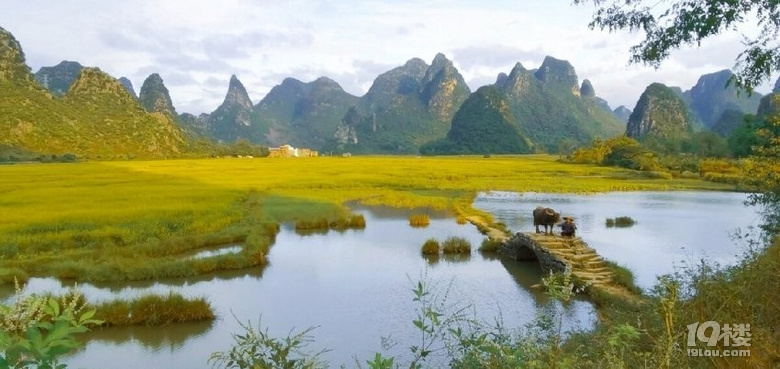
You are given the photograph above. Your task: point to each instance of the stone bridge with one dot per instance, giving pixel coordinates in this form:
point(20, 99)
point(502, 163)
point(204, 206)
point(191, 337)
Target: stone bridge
point(554, 253)
point(558, 254)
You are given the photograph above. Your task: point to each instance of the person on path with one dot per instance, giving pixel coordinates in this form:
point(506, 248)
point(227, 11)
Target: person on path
point(568, 228)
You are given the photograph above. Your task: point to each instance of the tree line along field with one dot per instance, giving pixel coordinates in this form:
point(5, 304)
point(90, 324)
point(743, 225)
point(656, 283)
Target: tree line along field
point(134, 220)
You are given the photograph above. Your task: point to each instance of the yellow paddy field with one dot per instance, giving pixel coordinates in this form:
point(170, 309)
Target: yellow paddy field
point(131, 220)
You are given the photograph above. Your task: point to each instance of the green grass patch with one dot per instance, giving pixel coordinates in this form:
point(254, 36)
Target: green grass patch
point(623, 276)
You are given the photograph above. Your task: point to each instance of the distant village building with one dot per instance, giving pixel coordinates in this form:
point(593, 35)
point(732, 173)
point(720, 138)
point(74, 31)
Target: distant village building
point(287, 151)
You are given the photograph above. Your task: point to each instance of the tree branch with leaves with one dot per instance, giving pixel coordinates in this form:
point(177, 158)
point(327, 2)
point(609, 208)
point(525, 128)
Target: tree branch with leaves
point(670, 25)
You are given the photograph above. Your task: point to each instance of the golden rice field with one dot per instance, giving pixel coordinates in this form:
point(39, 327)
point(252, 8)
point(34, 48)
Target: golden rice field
point(131, 220)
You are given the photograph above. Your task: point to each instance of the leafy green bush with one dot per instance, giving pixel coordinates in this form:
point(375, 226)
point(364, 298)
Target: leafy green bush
point(37, 330)
point(255, 348)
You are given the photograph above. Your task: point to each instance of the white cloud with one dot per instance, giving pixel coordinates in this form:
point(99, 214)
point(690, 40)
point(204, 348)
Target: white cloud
point(196, 45)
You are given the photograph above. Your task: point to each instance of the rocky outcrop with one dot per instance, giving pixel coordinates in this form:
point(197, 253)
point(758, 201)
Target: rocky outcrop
point(518, 83)
point(484, 124)
point(405, 107)
point(233, 118)
point(558, 72)
point(501, 78)
point(94, 87)
point(154, 96)
point(128, 85)
point(713, 95)
point(776, 89)
point(770, 104)
point(443, 88)
point(58, 78)
point(622, 113)
point(13, 66)
point(587, 90)
point(659, 112)
point(303, 114)
point(237, 95)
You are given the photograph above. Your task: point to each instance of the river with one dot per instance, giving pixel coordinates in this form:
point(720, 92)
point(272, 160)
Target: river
point(355, 286)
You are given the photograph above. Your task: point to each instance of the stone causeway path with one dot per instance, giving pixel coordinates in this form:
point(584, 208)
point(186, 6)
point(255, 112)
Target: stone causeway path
point(583, 261)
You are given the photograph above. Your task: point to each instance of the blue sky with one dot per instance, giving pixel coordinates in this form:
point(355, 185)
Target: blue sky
point(196, 45)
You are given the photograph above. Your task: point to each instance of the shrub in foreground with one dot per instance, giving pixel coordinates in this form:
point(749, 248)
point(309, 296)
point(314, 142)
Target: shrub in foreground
point(255, 348)
point(35, 331)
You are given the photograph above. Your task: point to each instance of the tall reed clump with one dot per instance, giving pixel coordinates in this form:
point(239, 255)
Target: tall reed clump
point(431, 247)
point(456, 245)
point(419, 220)
point(154, 310)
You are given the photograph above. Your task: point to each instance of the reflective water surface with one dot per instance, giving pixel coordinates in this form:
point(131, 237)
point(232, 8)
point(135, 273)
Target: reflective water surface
point(672, 227)
point(355, 286)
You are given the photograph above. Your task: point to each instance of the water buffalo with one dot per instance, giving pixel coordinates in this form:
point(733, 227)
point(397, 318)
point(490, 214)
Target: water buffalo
point(546, 217)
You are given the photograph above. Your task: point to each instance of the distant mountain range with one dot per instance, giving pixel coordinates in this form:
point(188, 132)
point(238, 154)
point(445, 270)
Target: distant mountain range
point(412, 108)
point(96, 116)
point(537, 109)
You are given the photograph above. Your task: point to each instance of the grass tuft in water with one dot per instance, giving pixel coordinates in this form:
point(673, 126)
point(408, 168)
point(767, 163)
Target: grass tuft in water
point(431, 247)
point(490, 245)
point(419, 220)
point(456, 245)
point(154, 310)
point(620, 222)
